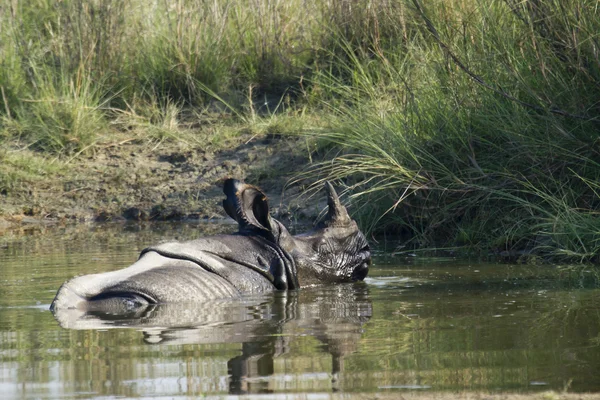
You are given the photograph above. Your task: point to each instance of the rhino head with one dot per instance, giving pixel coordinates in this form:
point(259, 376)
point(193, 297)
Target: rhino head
point(335, 251)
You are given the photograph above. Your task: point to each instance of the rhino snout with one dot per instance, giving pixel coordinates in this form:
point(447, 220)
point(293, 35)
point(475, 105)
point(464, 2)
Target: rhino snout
point(362, 269)
point(360, 272)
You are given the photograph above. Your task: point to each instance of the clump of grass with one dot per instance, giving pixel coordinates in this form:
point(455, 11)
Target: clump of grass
point(65, 116)
point(478, 129)
point(53, 98)
point(154, 119)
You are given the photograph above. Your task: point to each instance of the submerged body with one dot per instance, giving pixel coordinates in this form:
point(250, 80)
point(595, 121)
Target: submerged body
point(263, 256)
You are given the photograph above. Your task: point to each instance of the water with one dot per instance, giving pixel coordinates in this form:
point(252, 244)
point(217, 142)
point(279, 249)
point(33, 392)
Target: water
point(415, 325)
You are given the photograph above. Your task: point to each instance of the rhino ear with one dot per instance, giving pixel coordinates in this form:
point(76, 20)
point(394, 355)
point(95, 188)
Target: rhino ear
point(246, 204)
point(337, 215)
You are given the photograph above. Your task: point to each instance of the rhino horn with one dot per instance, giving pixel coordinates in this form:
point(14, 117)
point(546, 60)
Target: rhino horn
point(337, 215)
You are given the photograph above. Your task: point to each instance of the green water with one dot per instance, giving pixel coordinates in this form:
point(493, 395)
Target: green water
point(414, 325)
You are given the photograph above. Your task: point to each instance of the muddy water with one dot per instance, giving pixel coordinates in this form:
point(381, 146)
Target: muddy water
point(414, 325)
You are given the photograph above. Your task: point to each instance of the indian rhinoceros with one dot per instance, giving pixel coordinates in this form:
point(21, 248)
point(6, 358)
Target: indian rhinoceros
point(261, 257)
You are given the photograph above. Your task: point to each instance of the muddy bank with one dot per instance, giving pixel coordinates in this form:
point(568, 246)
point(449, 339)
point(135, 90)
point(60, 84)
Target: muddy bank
point(141, 181)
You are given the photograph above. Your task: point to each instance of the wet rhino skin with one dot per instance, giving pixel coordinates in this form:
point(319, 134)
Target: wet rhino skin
point(261, 257)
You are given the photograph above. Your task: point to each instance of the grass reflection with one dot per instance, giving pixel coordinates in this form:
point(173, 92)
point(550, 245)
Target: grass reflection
point(495, 336)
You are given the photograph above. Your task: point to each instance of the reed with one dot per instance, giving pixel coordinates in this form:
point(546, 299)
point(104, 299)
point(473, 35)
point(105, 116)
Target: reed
point(478, 129)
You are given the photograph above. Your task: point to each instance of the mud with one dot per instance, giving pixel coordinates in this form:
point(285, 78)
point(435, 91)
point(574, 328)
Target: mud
point(176, 180)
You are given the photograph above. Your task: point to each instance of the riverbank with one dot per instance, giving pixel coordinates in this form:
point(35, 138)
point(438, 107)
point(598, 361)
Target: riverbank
point(455, 125)
point(129, 178)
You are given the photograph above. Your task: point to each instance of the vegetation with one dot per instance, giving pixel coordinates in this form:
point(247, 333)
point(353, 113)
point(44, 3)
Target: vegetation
point(476, 125)
point(461, 123)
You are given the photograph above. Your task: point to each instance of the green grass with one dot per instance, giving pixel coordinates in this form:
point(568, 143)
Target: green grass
point(459, 124)
point(478, 131)
point(66, 67)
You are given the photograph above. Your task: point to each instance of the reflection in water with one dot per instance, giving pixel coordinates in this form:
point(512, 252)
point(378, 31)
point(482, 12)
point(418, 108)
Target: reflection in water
point(412, 326)
point(264, 325)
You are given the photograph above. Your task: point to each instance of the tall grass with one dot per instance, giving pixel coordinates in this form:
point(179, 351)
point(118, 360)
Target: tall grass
point(66, 62)
point(459, 123)
point(477, 128)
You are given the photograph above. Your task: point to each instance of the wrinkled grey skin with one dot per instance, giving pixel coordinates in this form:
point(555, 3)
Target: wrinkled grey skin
point(263, 256)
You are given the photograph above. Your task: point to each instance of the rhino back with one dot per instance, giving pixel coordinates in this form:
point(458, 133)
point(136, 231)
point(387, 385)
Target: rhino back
point(155, 278)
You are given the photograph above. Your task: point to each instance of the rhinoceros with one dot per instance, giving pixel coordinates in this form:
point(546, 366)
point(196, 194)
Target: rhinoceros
point(261, 257)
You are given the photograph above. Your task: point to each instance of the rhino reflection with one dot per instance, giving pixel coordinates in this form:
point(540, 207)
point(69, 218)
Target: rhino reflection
point(265, 326)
